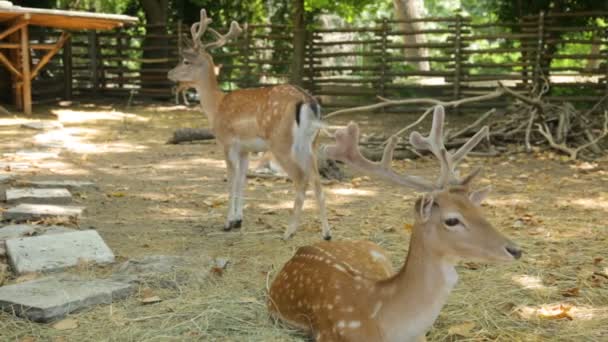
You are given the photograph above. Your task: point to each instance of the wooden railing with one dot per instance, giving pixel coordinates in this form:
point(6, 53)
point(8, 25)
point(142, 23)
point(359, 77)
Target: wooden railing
point(352, 66)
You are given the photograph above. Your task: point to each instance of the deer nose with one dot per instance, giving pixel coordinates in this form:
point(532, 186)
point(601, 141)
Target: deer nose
point(514, 251)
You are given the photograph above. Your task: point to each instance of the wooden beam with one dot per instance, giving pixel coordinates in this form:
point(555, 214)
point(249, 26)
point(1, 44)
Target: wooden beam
point(9, 46)
point(47, 57)
point(25, 65)
point(16, 25)
point(9, 65)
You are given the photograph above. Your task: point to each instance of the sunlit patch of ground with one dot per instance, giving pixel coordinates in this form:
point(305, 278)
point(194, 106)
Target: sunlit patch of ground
point(166, 199)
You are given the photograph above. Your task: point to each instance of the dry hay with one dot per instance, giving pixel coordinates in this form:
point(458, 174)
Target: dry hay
point(553, 208)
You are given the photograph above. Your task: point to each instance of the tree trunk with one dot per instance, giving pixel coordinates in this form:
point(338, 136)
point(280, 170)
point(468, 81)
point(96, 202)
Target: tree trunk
point(410, 9)
point(299, 43)
point(155, 47)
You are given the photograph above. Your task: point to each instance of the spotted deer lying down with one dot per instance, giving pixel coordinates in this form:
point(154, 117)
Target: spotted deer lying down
point(347, 291)
point(282, 119)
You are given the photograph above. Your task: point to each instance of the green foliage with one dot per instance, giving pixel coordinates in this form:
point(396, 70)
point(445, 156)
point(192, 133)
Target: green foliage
point(347, 9)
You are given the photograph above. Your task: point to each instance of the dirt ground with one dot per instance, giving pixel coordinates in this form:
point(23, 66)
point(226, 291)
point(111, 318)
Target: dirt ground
point(171, 199)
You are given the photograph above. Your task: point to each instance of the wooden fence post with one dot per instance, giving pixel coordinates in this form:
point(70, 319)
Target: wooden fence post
point(606, 60)
point(248, 76)
point(92, 35)
point(67, 69)
point(540, 46)
point(383, 57)
point(311, 61)
point(457, 57)
point(119, 50)
point(179, 38)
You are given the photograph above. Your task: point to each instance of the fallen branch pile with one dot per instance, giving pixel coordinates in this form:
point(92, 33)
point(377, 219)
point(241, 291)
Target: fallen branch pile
point(529, 121)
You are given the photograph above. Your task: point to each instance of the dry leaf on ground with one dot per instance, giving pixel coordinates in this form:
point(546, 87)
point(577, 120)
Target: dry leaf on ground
point(66, 324)
point(151, 300)
point(573, 292)
point(555, 312)
point(463, 329)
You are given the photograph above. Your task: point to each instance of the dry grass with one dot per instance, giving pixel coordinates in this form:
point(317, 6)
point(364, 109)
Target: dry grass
point(160, 199)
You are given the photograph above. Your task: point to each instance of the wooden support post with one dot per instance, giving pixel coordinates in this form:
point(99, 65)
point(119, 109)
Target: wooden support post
point(180, 39)
point(93, 57)
point(384, 56)
point(457, 57)
point(606, 60)
point(248, 75)
point(67, 69)
point(119, 49)
point(311, 61)
point(47, 57)
point(25, 72)
point(540, 46)
point(299, 43)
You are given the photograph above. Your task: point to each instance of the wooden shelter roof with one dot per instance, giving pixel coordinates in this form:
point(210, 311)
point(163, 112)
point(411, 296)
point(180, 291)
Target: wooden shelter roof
point(67, 20)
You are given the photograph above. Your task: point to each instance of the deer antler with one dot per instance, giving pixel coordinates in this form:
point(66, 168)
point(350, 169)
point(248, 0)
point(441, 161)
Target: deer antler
point(346, 149)
point(234, 31)
point(434, 143)
point(197, 29)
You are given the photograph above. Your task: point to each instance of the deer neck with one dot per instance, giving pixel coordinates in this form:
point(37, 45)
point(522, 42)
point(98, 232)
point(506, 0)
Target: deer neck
point(210, 95)
point(413, 298)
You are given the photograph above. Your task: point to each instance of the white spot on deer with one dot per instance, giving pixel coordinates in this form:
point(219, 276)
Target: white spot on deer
point(341, 324)
point(377, 255)
point(354, 324)
point(329, 306)
point(339, 268)
point(377, 308)
point(348, 309)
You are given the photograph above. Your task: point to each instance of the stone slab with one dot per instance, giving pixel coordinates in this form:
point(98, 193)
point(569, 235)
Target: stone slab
point(55, 184)
point(51, 298)
point(42, 125)
point(33, 154)
point(5, 178)
point(57, 251)
point(24, 212)
point(164, 271)
point(14, 166)
point(38, 196)
point(20, 230)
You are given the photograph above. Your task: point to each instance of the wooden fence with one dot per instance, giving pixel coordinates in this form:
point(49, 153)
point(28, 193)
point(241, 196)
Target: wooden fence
point(352, 66)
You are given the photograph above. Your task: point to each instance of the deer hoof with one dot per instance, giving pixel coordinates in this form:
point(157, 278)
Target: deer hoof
point(236, 224)
point(327, 237)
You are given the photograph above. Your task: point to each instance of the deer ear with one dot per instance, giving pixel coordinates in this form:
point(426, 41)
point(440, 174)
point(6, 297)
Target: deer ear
point(423, 207)
point(480, 195)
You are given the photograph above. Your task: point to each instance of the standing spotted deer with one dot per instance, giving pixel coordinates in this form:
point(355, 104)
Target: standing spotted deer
point(282, 119)
point(347, 291)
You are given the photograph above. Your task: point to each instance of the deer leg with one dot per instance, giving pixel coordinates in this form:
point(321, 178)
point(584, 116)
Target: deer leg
point(176, 92)
point(232, 164)
point(185, 96)
point(320, 196)
point(241, 184)
point(300, 180)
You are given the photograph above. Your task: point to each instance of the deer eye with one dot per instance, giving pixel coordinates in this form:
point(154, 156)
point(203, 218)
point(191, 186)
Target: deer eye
point(451, 222)
point(186, 62)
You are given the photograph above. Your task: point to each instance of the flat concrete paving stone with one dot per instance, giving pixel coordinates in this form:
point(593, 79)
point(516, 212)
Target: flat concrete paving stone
point(5, 178)
point(38, 196)
point(24, 212)
point(43, 125)
point(34, 154)
point(51, 298)
point(57, 251)
point(55, 184)
point(14, 166)
point(20, 230)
